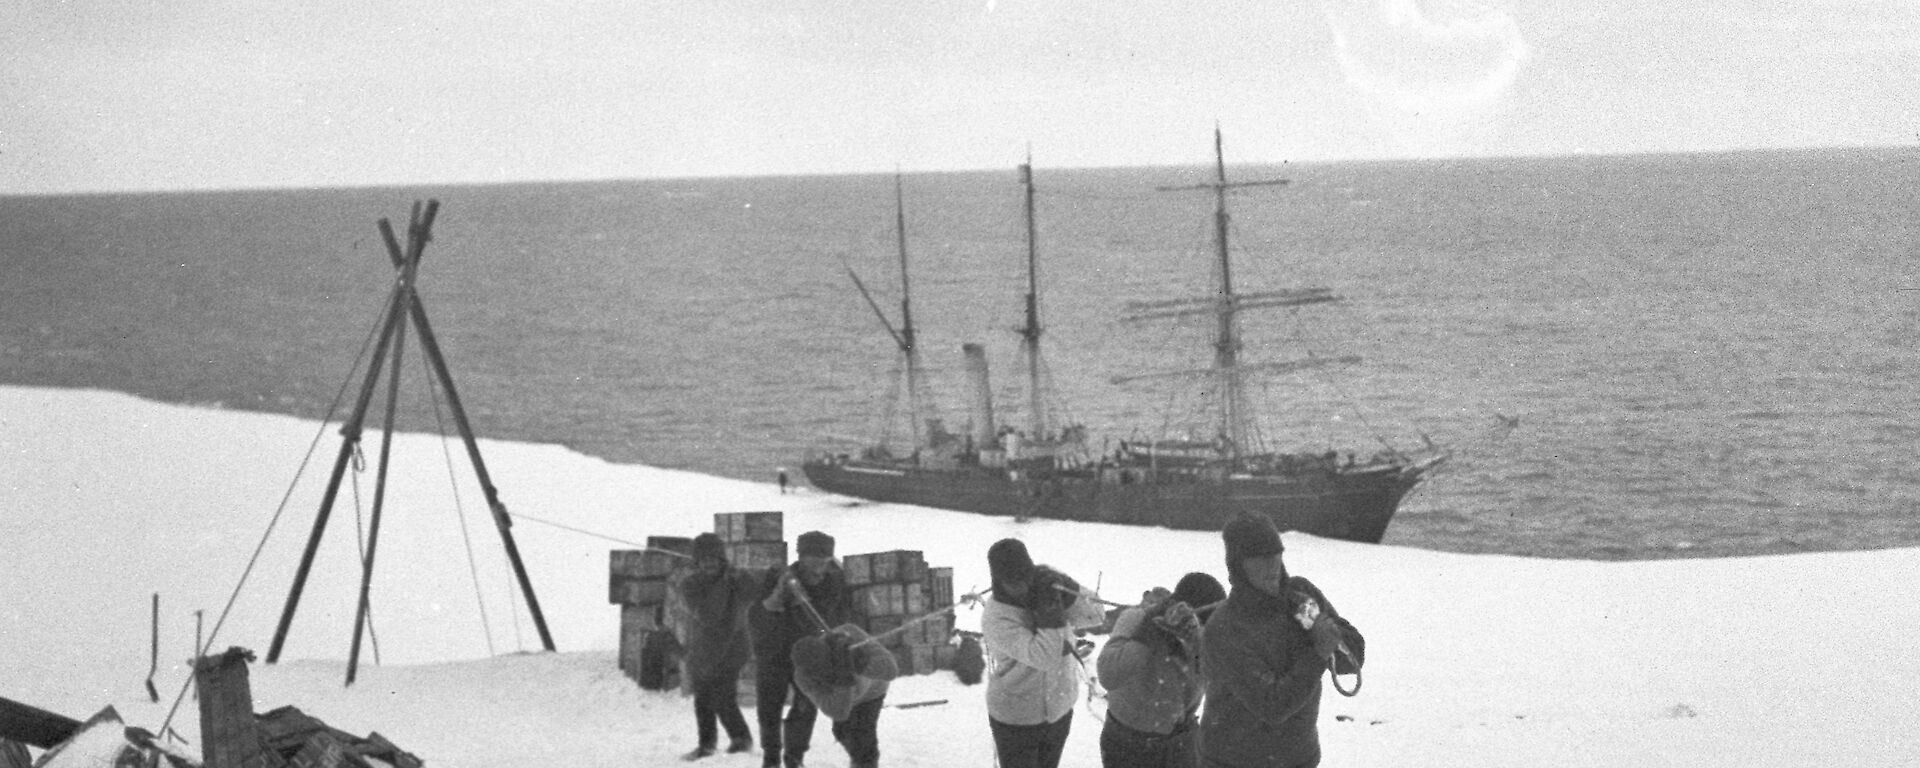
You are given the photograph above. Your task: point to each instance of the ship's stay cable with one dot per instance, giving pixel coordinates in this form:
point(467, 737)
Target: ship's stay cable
point(1302, 335)
point(459, 511)
point(272, 522)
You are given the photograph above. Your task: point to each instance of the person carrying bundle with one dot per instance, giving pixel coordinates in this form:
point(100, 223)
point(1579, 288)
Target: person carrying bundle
point(716, 595)
point(802, 600)
point(1264, 651)
point(845, 675)
point(1152, 672)
point(1034, 674)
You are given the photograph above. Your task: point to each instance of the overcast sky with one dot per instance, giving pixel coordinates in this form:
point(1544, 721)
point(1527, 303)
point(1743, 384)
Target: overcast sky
point(191, 94)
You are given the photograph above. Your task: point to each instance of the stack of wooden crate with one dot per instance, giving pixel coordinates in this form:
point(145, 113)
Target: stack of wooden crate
point(755, 543)
point(892, 589)
point(637, 582)
point(754, 540)
point(651, 624)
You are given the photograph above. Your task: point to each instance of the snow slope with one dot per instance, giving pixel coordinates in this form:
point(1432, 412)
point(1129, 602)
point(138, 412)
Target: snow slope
point(1473, 660)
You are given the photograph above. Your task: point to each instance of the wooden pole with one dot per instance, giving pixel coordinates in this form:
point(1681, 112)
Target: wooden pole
point(501, 521)
point(153, 658)
point(350, 434)
point(379, 501)
point(417, 243)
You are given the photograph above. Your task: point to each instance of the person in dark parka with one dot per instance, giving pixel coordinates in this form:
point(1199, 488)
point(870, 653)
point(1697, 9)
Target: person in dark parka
point(777, 622)
point(717, 596)
point(1263, 668)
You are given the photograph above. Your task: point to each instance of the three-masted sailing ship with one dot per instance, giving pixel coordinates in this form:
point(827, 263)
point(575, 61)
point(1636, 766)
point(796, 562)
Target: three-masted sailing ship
point(1047, 469)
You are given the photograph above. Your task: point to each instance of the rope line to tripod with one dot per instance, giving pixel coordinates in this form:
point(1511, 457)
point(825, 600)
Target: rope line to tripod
point(459, 510)
point(360, 541)
point(266, 535)
point(582, 531)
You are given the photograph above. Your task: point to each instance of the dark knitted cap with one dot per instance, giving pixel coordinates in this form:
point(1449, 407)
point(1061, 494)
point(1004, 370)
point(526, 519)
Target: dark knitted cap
point(708, 545)
point(816, 544)
point(1199, 590)
point(1250, 535)
point(1007, 560)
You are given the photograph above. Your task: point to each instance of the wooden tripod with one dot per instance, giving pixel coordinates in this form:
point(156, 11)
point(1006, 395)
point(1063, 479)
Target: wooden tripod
point(404, 306)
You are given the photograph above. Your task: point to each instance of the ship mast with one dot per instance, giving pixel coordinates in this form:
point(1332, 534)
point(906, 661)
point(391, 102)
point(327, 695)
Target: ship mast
point(1235, 415)
point(906, 339)
point(1030, 334)
point(1234, 420)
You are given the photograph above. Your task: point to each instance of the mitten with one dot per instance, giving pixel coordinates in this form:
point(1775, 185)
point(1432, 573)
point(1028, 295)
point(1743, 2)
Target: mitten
point(1049, 609)
point(1154, 597)
point(1326, 637)
point(776, 598)
point(1179, 620)
point(1052, 584)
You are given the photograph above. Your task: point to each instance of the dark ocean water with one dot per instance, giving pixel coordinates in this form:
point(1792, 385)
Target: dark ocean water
point(1705, 355)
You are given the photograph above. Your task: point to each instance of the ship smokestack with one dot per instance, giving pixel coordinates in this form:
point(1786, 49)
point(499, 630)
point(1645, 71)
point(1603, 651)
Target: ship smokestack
point(983, 428)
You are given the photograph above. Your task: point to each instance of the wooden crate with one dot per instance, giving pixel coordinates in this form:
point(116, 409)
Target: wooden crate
point(923, 659)
point(858, 569)
point(733, 527)
point(914, 598)
point(939, 587)
point(899, 565)
point(944, 655)
point(935, 629)
point(637, 625)
point(882, 599)
point(912, 566)
point(645, 563)
point(757, 555)
point(880, 625)
point(626, 590)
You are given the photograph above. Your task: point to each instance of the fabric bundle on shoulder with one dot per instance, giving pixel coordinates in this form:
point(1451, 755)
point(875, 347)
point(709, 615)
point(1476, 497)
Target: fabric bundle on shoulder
point(838, 669)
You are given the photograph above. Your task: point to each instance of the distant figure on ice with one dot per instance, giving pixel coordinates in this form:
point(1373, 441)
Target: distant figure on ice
point(1033, 677)
point(717, 596)
point(847, 678)
point(1152, 672)
point(781, 476)
point(780, 620)
point(1264, 651)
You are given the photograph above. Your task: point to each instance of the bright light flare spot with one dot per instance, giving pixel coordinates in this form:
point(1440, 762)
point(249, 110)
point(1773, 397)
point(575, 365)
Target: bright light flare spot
point(1425, 56)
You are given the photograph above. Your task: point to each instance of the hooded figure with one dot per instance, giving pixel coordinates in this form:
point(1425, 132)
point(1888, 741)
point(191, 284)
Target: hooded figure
point(801, 601)
point(1152, 672)
point(1263, 667)
point(1033, 676)
point(716, 597)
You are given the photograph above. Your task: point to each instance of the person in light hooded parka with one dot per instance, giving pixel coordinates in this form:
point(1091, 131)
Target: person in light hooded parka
point(1033, 677)
point(1263, 668)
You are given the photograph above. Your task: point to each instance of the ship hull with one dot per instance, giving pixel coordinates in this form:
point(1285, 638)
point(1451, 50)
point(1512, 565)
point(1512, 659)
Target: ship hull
point(1354, 506)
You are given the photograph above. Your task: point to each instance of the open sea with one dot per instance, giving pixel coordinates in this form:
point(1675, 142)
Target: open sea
point(1629, 357)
